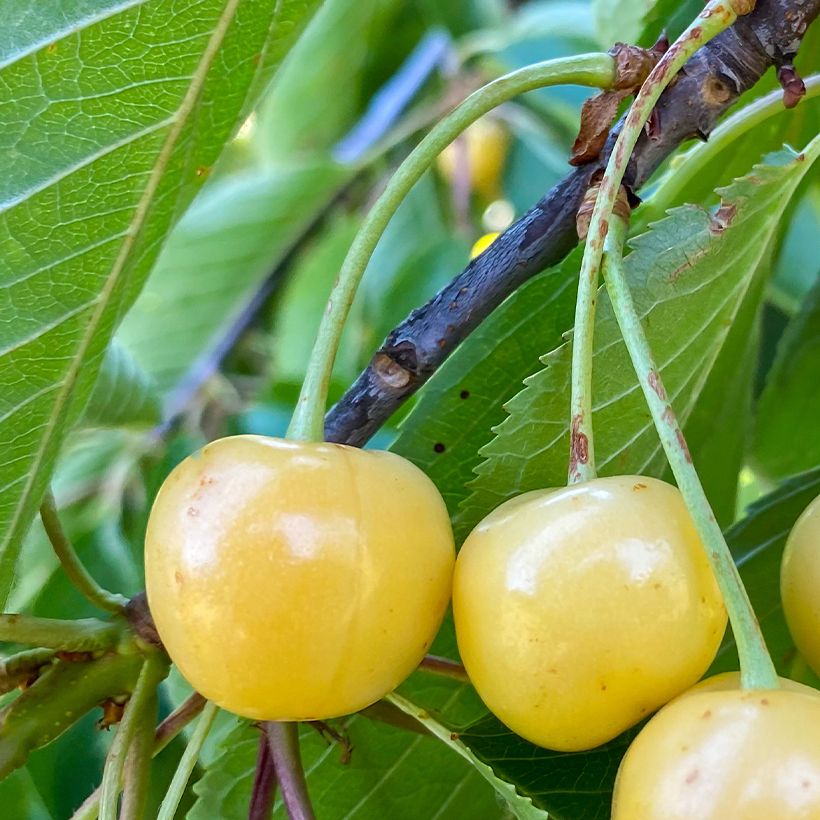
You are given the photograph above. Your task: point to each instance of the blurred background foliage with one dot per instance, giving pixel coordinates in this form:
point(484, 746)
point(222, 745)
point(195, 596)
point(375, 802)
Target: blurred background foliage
point(218, 341)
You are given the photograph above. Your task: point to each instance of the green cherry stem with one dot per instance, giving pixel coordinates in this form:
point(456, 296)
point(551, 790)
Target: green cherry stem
point(715, 17)
point(79, 576)
point(165, 733)
point(170, 803)
point(84, 635)
point(136, 774)
point(757, 670)
point(596, 70)
point(154, 669)
point(693, 163)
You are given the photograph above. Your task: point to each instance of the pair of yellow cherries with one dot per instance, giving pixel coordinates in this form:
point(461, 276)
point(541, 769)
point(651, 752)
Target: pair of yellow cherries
point(297, 581)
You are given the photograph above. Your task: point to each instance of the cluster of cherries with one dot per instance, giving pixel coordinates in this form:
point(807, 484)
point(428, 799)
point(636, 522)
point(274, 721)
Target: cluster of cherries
point(296, 581)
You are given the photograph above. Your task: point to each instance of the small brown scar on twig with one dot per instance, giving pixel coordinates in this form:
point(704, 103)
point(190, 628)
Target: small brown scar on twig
point(390, 371)
point(579, 445)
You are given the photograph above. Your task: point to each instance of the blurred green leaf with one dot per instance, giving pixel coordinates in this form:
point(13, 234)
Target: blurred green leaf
point(20, 798)
point(785, 432)
point(689, 275)
point(123, 393)
point(621, 22)
point(216, 260)
point(100, 159)
point(318, 94)
point(670, 16)
point(302, 303)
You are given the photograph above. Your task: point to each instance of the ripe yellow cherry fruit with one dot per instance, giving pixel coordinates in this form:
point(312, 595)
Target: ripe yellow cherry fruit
point(487, 142)
point(800, 584)
point(581, 610)
point(297, 581)
point(482, 243)
point(717, 753)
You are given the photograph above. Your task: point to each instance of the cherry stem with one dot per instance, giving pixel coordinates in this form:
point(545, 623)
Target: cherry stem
point(179, 782)
point(757, 669)
point(177, 721)
point(84, 635)
point(283, 739)
point(437, 665)
point(693, 163)
point(596, 70)
point(715, 17)
point(153, 671)
point(165, 733)
point(79, 576)
point(264, 783)
point(136, 775)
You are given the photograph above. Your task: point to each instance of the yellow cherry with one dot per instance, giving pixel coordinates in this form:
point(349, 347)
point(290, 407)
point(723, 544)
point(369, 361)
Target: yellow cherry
point(580, 611)
point(725, 754)
point(800, 584)
point(487, 142)
point(482, 243)
point(296, 581)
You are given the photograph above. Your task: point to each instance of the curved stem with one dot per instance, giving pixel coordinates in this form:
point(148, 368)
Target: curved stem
point(79, 576)
point(287, 762)
point(597, 70)
point(717, 16)
point(137, 768)
point(757, 670)
point(83, 635)
point(165, 733)
point(264, 783)
point(170, 803)
point(153, 671)
point(691, 164)
point(437, 665)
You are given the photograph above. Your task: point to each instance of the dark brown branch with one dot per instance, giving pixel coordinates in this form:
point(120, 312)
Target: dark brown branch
point(708, 85)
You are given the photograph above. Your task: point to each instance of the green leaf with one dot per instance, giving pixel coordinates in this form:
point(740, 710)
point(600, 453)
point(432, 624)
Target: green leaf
point(123, 394)
point(520, 806)
point(100, 158)
point(305, 114)
point(463, 401)
point(619, 22)
point(570, 786)
point(302, 302)
point(217, 258)
point(757, 542)
point(391, 772)
point(689, 276)
point(785, 434)
point(20, 797)
point(670, 16)
point(718, 429)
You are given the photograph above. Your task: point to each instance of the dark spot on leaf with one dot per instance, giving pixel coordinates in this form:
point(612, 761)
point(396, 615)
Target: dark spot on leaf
point(722, 218)
point(464, 394)
point(439, 447)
